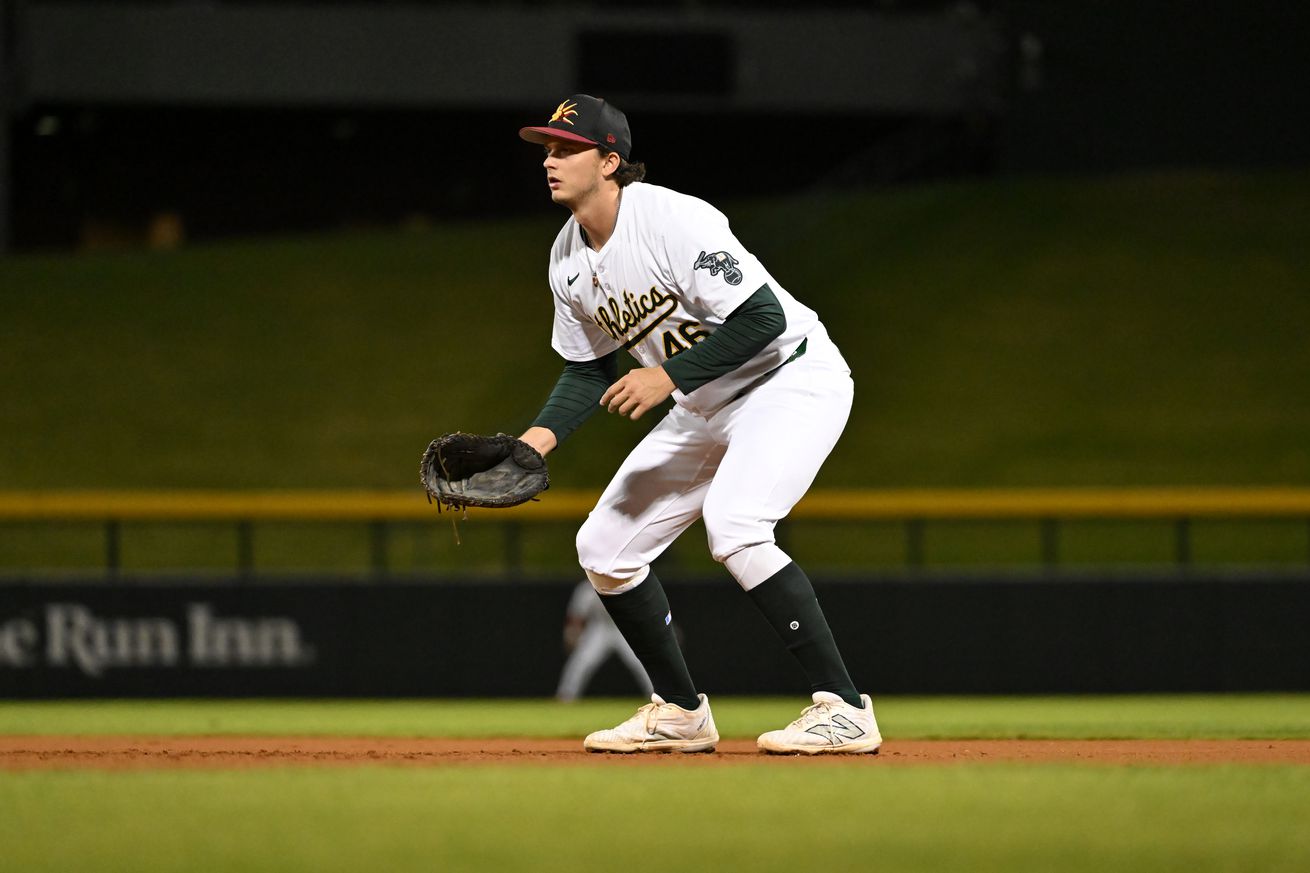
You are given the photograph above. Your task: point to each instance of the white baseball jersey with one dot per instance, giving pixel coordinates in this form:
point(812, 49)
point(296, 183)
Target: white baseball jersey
point(669, 276)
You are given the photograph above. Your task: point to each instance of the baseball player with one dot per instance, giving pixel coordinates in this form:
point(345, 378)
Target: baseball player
point(761, 395)
point(591, 637)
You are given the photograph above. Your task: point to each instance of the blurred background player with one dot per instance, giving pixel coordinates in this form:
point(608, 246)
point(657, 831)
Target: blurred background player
point(591, 637)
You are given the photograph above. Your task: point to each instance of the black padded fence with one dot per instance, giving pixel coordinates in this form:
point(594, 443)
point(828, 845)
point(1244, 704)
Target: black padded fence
point(927, 635)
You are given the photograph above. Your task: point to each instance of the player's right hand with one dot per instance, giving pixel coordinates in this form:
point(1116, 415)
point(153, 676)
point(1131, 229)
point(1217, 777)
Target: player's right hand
point(638, 391)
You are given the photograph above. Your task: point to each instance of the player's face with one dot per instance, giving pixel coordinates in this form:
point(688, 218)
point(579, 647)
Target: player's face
point(573, 171)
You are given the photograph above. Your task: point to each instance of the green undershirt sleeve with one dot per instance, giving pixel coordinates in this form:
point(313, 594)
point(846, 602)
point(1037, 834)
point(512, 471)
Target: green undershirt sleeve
point(577, 394)
point(744, 334)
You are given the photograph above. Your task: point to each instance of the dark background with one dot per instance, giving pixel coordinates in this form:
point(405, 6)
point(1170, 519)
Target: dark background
point(1086, 86)
point(1208, 633)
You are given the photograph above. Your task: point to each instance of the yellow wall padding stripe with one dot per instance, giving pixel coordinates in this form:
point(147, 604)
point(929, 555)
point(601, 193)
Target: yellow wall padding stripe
point(850, 505)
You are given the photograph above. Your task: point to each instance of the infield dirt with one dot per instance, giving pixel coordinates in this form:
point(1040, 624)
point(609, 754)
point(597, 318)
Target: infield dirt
point(159, 752)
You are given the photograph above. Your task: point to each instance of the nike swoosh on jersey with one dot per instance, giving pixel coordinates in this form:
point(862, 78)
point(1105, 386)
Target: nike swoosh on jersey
point(575, 278)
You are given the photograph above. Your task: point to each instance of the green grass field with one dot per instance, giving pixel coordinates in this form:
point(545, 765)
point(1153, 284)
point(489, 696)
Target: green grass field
point(999, 818)
point(1145, 329)
point(1137, 330)
point(1219, 716)
point(603, 816)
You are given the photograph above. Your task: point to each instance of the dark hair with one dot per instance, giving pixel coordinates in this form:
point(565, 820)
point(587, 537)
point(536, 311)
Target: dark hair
point(628, 172)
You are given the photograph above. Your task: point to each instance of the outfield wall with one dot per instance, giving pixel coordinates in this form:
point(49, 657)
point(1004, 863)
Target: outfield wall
point(907, 635)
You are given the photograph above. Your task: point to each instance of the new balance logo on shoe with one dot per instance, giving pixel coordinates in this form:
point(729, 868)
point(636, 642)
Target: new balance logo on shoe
point(838, 725)
point(829, 726)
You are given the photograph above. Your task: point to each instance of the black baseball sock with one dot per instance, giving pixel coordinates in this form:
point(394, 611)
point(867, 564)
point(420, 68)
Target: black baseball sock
point(643, 617)
point(788, 601)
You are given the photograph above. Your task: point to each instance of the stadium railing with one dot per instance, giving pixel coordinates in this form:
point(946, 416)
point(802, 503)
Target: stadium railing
point(911, 510)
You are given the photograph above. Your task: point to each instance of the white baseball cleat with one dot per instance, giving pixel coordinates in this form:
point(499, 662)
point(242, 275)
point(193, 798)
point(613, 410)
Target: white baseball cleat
point(829, 726)
point(659, 727)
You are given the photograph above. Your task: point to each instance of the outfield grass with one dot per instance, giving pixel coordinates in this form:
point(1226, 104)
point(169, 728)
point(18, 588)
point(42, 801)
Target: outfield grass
point(606, 816)
point(749, 817)
point(1137, 330)
point(1232, 716)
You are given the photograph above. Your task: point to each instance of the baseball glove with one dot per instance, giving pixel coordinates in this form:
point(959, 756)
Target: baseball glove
point(459, 470)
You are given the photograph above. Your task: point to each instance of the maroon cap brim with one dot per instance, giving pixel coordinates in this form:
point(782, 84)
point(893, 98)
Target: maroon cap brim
point(542, 134)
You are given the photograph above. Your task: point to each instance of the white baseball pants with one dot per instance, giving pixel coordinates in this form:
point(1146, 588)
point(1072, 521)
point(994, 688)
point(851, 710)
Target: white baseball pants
point(741, 469)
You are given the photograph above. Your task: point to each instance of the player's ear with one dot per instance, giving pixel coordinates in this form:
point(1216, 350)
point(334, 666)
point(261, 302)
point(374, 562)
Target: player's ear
point(609, 163)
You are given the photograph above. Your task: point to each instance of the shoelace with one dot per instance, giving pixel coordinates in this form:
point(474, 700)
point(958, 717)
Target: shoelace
point(652, 711)
point(812, 715)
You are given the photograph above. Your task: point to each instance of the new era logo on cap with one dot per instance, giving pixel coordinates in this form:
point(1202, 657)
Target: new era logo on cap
point(583, 118)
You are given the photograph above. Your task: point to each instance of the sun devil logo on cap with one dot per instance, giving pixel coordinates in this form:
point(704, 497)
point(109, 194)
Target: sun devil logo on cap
point(563, 112)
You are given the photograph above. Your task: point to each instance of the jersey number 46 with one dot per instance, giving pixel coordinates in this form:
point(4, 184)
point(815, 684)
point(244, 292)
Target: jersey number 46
point(690, 333)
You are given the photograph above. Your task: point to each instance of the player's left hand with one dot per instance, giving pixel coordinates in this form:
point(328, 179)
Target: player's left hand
point(638, 391)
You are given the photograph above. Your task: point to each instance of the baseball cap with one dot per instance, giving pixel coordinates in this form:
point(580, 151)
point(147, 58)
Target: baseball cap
point(583, 118)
